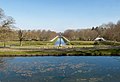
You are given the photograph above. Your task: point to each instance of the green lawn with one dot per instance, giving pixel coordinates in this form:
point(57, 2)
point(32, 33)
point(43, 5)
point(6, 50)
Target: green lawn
point(46, 48)
point(60, 52)
point(26, 43)
point(48, 43)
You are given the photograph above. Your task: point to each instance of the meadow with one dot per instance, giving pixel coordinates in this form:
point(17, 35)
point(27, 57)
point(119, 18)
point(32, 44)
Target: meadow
point(73, 48)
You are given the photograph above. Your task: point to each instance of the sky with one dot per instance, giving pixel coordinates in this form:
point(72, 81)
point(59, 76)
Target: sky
point(60, 15)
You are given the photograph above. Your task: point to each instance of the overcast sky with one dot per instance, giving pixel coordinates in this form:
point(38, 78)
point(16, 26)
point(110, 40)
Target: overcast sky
point(59, 15)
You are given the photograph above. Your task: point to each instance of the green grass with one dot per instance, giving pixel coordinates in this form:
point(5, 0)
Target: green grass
point(60, 52)
point(82, 42)
point(26, 43)
point(48, 43)
point(109, 43)
point(45, 48)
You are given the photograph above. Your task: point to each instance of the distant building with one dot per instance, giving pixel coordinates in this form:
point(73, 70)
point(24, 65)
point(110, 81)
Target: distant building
point(100, 39)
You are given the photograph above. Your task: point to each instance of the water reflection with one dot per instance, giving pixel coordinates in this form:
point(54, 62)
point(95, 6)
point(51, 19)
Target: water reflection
point(59, 69)
point(60, 43)
point(4, 63)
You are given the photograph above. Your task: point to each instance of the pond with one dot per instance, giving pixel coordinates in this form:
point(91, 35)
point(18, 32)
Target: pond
point(60, 69)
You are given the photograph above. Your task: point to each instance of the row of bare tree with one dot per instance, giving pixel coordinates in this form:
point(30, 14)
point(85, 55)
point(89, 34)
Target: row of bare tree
point(108, 31)
point(34, 35)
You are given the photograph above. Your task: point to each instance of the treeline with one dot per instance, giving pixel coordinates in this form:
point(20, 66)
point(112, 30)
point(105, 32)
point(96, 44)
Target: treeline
point(108, 31)
point(35, 35)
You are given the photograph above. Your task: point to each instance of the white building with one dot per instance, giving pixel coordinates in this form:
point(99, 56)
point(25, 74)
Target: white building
point(100, 39)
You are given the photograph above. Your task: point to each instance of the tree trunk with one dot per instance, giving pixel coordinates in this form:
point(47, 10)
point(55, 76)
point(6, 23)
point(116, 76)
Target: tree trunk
point(20, 42)
point(4, 44)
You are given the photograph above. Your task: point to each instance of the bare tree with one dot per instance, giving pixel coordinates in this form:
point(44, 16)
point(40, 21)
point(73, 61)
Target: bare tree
point(21, 36)
point(6, 23)
point(6, 29)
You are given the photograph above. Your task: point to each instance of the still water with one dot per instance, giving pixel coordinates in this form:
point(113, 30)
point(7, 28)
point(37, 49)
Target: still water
point(57, 43)
point(60, 69)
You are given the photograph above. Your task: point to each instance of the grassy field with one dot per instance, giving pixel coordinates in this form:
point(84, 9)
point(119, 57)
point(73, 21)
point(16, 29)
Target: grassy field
point(59, 52)
point(48, 43)
point(82, 42)
point(76, 48)
point(26, 43)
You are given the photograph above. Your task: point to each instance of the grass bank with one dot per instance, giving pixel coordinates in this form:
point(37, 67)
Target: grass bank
point(60, 52)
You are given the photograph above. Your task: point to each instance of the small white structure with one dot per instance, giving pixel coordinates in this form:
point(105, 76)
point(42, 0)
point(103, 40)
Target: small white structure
point(100, 39)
